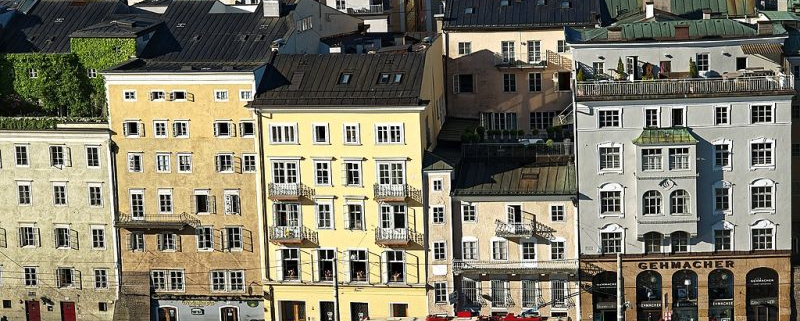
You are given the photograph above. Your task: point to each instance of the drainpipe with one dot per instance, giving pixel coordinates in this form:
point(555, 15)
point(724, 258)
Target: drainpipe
point(263, 213)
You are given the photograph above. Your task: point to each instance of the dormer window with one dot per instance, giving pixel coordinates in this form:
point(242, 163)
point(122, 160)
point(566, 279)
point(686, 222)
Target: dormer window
point(565, 4)
point(344, 78)
point(504, 3)
point(540, 2)
point(383, 78)
point(398, 78)
point(469, 10)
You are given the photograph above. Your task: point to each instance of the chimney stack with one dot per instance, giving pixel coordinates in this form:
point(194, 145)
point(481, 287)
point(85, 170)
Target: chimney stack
point(614, 33)
point(272, 8)
point(648, 10)
point(682, 32)
point(706, 14)
point(764, 28)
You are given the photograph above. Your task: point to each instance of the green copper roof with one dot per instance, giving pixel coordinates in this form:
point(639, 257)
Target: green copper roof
point(710, 28)
point(780, 16)
point(662, 136)
point(611, 10)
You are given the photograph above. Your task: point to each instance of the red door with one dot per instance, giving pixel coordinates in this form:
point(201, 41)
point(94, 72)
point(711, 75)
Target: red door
point(68, 311)
point(32, 312)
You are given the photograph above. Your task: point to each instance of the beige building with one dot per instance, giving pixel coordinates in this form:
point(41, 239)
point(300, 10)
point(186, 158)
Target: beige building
point(58, 258)
point(509, 71)
point(502, 231)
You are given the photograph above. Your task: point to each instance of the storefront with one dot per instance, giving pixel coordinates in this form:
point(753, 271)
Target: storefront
point(684, 296)
point(720, 295)
point(604, 296)
point(762, 295)
point(648, 296)
point(212, 310)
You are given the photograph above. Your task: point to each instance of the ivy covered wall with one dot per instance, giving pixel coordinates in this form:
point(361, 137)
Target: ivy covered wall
point(62, 85)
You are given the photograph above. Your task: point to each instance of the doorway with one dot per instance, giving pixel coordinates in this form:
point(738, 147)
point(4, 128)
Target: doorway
point(293, 311)
point(167, 314)
point(326, 311)
point(68, 311)
point(32, 311)
point(609, 315)
point(229, 314)
point(359, 311)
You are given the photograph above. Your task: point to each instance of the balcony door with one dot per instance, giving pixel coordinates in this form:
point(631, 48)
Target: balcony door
point(287, 215)
point(393, 218)
point(284, 172)
point(514, 215)
point(391, 173)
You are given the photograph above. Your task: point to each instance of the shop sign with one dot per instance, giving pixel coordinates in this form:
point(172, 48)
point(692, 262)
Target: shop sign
point(764, 301)
point(761, 281)
point(674, 265)
point(605, 285)
point(722, 303)
point(198, 303)
point(685, 304)
point(650, 304)
point(198, 311)
point(606, 305)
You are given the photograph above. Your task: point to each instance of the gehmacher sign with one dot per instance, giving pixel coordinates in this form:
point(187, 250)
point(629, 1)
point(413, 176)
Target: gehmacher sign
point(674, 265)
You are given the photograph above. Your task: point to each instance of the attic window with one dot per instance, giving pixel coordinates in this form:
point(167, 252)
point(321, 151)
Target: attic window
point(59, 20)
point(181, 25)
point(469, 10)
point(504, 3)
point(540, 2)
point(383, 78)
point(565, 4)
point(344, 78)
point(398, 78)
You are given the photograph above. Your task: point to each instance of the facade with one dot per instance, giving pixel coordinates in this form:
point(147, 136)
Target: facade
point(688, 179)
point(510, 72)
point(510, 244)
point(58, 258)
point(343, 150)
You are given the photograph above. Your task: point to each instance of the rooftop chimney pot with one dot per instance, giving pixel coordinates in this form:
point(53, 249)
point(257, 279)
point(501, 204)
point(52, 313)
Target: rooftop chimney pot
point(649, 10)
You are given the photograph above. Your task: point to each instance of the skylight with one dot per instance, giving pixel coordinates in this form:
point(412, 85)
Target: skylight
point(383, 78)
point(344, 78)
point(469, 10)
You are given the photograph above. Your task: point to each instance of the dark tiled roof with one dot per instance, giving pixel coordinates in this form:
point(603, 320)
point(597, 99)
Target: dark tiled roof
point(433, 161)
point(497, 178)
point(47, 26)
point(119, 26)
point(665, 136)
point(313, 80)
point(518, 14)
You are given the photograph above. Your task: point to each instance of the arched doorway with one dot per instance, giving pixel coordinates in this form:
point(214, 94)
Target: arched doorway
point(720, 295)
point(167, 314)
point(648, 296)
point(762, 294)
point(604, 296)
point(229, 314)
point(684, 296)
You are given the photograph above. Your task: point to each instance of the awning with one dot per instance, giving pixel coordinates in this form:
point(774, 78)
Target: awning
point(762, 48)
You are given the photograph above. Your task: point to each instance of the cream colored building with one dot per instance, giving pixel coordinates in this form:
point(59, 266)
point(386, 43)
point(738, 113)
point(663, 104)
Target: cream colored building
point(58, 258)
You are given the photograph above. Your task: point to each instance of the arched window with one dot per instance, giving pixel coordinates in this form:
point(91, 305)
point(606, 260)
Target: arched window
point(652, 242)
point(720, 284)
point(680, 242)
point(684, 295)
point(651, 203)
point(611, 237)
point(648, 286)
point(611, 199)
point(679, 202)
point(762, 195)
point(762, 235)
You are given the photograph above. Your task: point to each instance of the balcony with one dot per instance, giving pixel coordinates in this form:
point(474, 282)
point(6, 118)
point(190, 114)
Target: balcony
point(291, 235)
point(395, 192)
point(288, 191)
point(515, 267)
point(523, 61)
point(514, 230)
point(685, 88)
point(157, 221)
point(373, 9)
point(397, 237)
point(502, 301)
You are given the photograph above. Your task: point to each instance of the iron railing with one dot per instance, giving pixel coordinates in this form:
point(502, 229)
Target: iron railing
point(603, 90)
point(288, 190)
point(552, 266)
point(291, 234)
point(371, 9)
point(397, 236)
point(393, 191)
point(166, 221)
point(523, 60)
point(503, 229)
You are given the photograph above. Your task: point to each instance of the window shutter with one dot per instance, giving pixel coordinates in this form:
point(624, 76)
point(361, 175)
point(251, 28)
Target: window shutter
point(125, 128)
point(216, 132)
point(226, 244)
point(232, 129)
point(217, 163)
point(36, 237)
point(129, 241)
point(141, 129)
point(174, 129)
point(160, 238)
point(346, 261)
point(344, 174)
point(228, 204)
point(278, 265)
point(219, 241)
point(19, 236)
point(177, 242)
point(55, 238)
point(77, 281)
point(314, 266)
point(456, 85)
point(212, 204)
point(58, 277)
point(3, 240)
point(67, 157)
point(384, 268)
point(247, 240)
point(73, 239)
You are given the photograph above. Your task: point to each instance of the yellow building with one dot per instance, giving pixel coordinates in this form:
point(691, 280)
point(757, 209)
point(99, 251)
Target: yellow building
point(343, 143)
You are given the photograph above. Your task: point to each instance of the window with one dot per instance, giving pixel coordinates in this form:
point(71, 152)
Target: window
point(132, 129)
point(158, 95)
point(761, 153)
point(321, 135)
point(529, 295)
point(167, 280)
point(464, 48)
point(245, 95)
point(389, 134)
point(721, 116)
point(62, 237)
point(92, 156)
point(528, 251)
point(437, 214)
point(678, 158)
point(760, 114)
point(679, 202)
point(440, 292)
point(796, 108)
point(137, 241)
point(610, 158)
point(678, 117)
point(247, 129)
point(205, 238)
point(540, 120)
point(232, 202)
point(564, 80)
point(702, 62)
point(324, 215)
point(651, 203)
point(651, 118)
point(64, 277)
point(227, 280)
point(795, 150)
point(24, 193)
point(168, 242)
point(395, 266)
point(177, 95)
point(383, 78)
point(137, 203)
point(352, 173)
point(439, 251)
point(722, 240)
point(722, 156)
point(652, 242)
point(203, 202)
point(469, 213)
point(762, 238)
point(611, 242)
point(158, 280)
point(165, 201)
point(224, 163)
point(344, 78)
point(463, 83)
point(352, 135)
point(355, 216)
point(509, 83)
point(160, 128)
point(534, 51)
point(184, 163)
point(397, 78)
point(557, 250)
point(31, 278)
point(680, 242)
point(358, 265)
point(218, 281)
point(437, 185)
point(608, 118)
point(557, 213)
point(95, 195)
point(500, 293)
point(341, 5)
point(236, 281)
point(761, 195)
point(21, 155)
point(610, 202)
point(283, 134)
point(248, 163)
point(59, 194)
point(507, 51)
point(599, 69)
point(722, 198)
point(304, 24)
point(290, 261)
point(163, 163)
point(391, 173)
point(57, 156)
point(469, 250)
point(233, 238)
point(651, 159)
point(129, 95)
point(100, 279)
point(325, 263)
point(499, 250)
point(135, 162)
point(98, 238)
point(223, 129)
point(180, 129)
point(499, 121)
point(562, 46)
point(220, 95)
point(741, 63)
point(322, 173)
point(33, 73)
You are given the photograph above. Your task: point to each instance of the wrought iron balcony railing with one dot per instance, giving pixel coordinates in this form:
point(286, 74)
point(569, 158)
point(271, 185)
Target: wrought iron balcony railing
point(395, 193)
point(503, 229)
point(291, 234)
point(288, 191)
point(397, 237)
point(506, 267)
point(637, 89)
point(157, 221)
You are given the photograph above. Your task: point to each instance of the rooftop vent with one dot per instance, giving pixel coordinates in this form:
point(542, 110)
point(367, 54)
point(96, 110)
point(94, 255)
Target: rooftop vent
point(180, 25)
point(59, 20)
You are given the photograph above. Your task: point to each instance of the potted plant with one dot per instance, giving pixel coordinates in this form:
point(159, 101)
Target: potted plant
point(580, 75)
point(551, 131)
point(535, 132)
point(481, 131)
point(620, 70)
point(693, 69)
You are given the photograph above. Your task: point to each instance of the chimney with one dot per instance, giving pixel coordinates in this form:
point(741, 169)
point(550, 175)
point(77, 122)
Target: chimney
point(663, 5)
point(648, 10)
point(706, 14)
point(272, 8)
point(764, 28)
point(682, 32)
point(614, 33)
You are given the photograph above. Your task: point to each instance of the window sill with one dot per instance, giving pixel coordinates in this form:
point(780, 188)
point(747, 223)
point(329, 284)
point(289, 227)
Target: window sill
point(609, 171)
point(766, 211)
point(618, 215)
point(767, 167)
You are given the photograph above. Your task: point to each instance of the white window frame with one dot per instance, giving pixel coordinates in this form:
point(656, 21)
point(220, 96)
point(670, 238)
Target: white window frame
point(762, 140)
point(764, 224)
point(345, 175)
point(724, 225)
point(231, 128)
point(89, 194)
point(29, 184)
point(437, 287)
point(242, 93)
point(66, 193)
point(27, 155)
point(721, 142)
point(232, 195)
point(473, 205)
point(357, 127)
point(156, 91)
point(563, 243)
point(209, 201)
point(610, 228)
point(245, 169)
point(762, 182)
point(241, 128)
point(470, 239)
point(229, 246)
point(100, 279)
point(611, 187)
point(218, 160)
point(329, 203)
point(434, 254)
point(729, 186)
point(104, 236)
point(621, 168)
point(771, 111)
point(727, 113)
point(178, 162)
point(97, 148)
point(329, 171)
point(168, 168)
point(563, 212)
point(172, 95)
point(175, 123)
point(221, 95)
point(125, 93)
point(166, 192)
point(434, 209)
point(314, 127)
point(599, 119)
point(283, 140)
point(522, 244)
point(131, 156)
point(658, 117)
point(155, 128)
point(505, 246)
point(435, 182)
point(132, 192)
point(389, 128)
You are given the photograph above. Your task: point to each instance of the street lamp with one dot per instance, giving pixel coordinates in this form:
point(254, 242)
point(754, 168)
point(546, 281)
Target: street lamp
point(687, 283)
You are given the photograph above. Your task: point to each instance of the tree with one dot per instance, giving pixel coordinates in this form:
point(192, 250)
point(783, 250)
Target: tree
point(580, 76)
point(693, 69)
point(620, 69)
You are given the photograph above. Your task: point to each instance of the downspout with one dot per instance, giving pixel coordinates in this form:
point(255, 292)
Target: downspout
point(263, 213)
